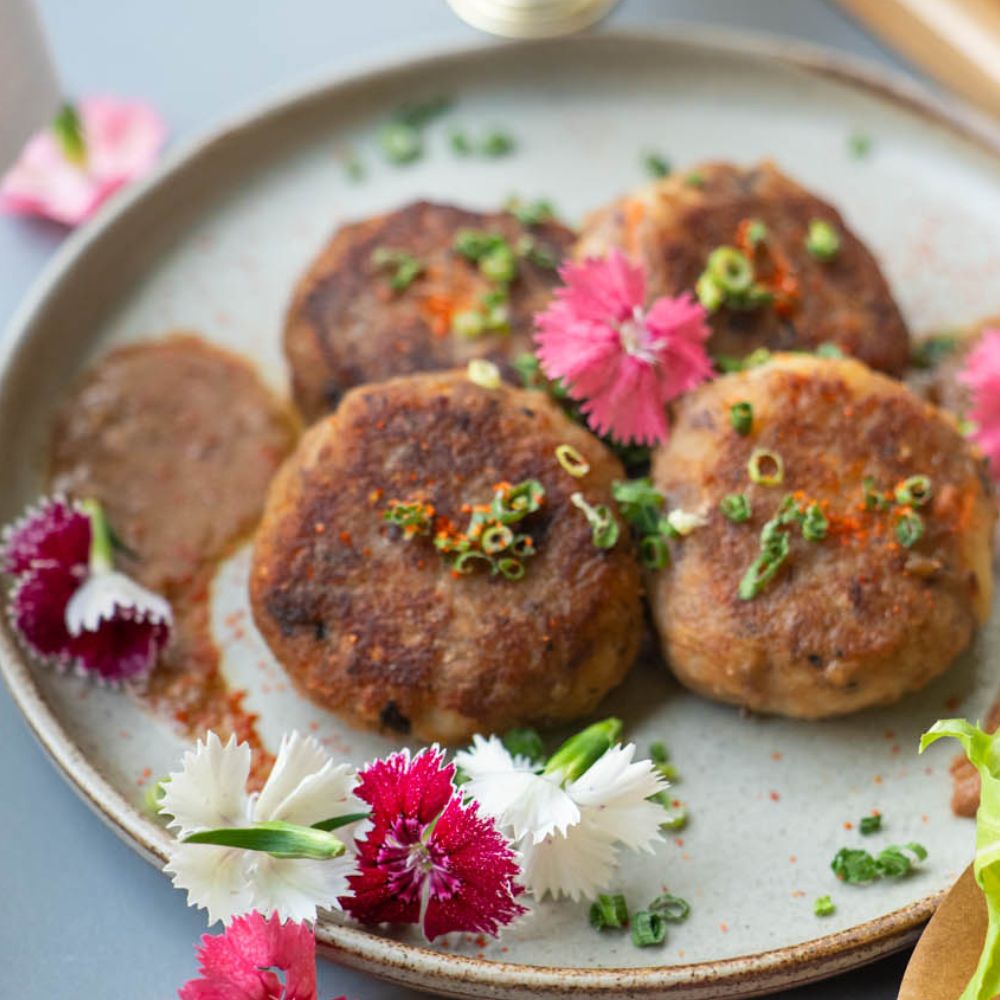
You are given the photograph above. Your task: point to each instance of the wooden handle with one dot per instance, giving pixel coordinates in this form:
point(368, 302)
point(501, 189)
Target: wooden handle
point(955, 41)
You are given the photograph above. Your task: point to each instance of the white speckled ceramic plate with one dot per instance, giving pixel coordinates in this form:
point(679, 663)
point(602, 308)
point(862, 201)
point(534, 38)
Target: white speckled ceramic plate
point(214, 243)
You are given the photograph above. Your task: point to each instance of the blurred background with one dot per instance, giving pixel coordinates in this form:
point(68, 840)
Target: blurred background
point(82, 914)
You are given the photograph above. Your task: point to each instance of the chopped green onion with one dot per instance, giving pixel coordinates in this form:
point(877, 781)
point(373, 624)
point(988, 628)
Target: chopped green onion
point(539, 255)
point(741, 417)
point(909, 529)
point(499, 264)
point(658, 753)
point(831, 351)
point(604, 527)
point(512, 569)
point(759, 458)
point(709, 293)
point(475, 243)
point(857, 867)
point(468, 323)
point(418, 114)
point(354, 168)
point(414, 518)
point(756, 232)
point(695, 179)
point(870, 824)
point(460, 143)
point(671, 908)
point(736, 507)
point(405, 267)
point(655, 164)
point(873, 499)
point(677, 816)
point(400, 143)
point(814, 523)
point(731, 271)
point(774, 548)
point(931, 351)
point(609, 911)
point(524, 743)
point(654, 553)
point(683, 522)
point(483, 373)
point(822, 240)
point(572, 461)
point(823, 907)
point(859, 145)
point(915, 491)
point(531, 213)
point(497, 143)
point(496, 538)
point(648, 929)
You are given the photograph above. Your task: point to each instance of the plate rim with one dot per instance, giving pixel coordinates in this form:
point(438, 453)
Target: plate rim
point(414, 965)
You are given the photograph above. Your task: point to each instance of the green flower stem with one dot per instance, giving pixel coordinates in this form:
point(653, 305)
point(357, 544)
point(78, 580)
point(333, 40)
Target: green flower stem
point(579, 752)
point(101, 547)
point(280, 840)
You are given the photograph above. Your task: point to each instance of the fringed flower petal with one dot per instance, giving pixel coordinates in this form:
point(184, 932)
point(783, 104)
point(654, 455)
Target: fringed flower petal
point(214, 878)
point(622, 362)
point(53, 531)
point(297, 887)
point(578, 864)
point(239, 964)
point(426, 857)
point(305, 786)
point(37, 610)
point(981, 373)
point(209, 791)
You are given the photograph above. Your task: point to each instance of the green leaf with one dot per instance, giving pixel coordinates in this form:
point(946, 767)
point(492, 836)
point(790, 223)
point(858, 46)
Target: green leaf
point(280, 840)
point(524, 743)
point(336, 822)
point(983, 751)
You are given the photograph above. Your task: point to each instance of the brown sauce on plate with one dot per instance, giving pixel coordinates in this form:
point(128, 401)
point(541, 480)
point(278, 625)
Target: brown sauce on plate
point(179, 440)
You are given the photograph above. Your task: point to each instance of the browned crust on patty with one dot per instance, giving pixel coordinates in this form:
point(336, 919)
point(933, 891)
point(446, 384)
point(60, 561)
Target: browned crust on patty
point(672, 225)
point(345, 325)
point(850, 621)
point(377, 628)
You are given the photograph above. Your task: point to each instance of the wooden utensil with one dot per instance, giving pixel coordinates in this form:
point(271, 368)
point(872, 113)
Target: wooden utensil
point(955, 41)
point(946, 954)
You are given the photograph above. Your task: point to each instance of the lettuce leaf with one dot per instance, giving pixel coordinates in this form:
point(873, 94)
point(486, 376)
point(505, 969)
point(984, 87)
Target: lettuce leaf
point(983, 751)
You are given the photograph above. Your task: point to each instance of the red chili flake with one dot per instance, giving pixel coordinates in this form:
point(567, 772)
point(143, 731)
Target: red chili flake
point(877, 779)
point(793, 859)
point(679, 841)
point(724, 927)
point(777, 755)
point(952, 703)
point(848, 825)
point(775, 796)
point(319, 528)
point(345, 538)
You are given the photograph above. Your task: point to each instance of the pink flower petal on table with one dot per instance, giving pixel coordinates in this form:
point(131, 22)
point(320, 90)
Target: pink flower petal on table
point(123, 140)
point(239, 964)
point(51, 531)
point(981, 373)
point(624, 363)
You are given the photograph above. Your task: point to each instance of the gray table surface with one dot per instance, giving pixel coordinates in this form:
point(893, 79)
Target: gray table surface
point(81, 915)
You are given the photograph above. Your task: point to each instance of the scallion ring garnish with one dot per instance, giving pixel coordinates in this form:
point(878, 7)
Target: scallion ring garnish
point(730, 269)
point(648, 929)
point(757, 467)
point(736, 507)
point(741, 417)
point(604, 527)
point(672, 908)
point(511, 569)
point(609, 911)
point(756, 232)
point(495, 538)
point(654, 552)
point(774, 547)
point(814, 523)
point(483, 373)
point(909, 528)
point(468, 323)
point(914, 492)
point(572, 461)
point(822, 240)
point(823, 907)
